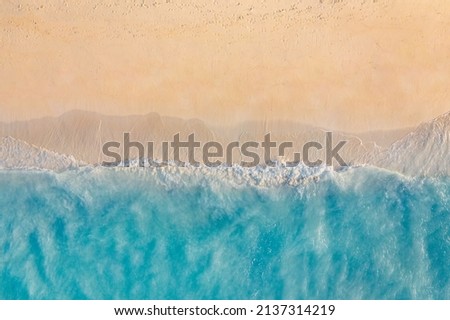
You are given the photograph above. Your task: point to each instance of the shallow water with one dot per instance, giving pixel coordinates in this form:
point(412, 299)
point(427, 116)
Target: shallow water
point(135, 234)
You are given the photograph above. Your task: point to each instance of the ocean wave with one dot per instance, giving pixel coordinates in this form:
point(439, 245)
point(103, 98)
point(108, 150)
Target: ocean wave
point(181, 233)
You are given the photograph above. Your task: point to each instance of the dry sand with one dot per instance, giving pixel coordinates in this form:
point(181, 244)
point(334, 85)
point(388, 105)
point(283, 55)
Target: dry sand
point(349, 65)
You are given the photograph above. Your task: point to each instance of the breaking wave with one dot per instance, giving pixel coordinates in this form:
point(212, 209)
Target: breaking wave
point(223, 233)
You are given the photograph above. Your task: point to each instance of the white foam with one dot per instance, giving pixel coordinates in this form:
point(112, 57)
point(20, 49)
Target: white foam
point(17, 154)
point(423, 152)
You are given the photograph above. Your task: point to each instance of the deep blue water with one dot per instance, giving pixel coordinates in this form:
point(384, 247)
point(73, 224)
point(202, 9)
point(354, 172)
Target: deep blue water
point(112, 234)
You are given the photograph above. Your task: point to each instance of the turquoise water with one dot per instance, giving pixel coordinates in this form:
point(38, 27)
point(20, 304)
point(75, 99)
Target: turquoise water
point(129, 234)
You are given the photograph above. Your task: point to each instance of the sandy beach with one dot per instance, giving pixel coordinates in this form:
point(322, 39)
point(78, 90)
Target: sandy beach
point(352, 66)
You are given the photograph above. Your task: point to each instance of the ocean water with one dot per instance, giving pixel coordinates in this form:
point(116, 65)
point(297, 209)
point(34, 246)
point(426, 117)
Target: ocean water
point(103, 233)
